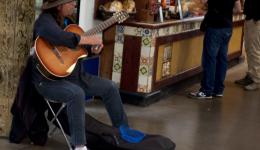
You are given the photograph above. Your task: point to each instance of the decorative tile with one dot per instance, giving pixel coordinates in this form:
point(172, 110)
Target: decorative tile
point(166, 31)
point(120, 29)
point(186, 27)
point(117, 67)
point(117, 61)
point(171, 30)
point(131, 31)
point(142, 89)
point(146, 41)
point(120, 38)
point(144, 61)
point(138, 31)
point(178, 28)
point(117, 64)
point(155, 33)
point(146, 32)
point(143, 70)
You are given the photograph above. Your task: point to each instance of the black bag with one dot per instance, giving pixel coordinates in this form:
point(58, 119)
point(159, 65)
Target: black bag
point(100, 136)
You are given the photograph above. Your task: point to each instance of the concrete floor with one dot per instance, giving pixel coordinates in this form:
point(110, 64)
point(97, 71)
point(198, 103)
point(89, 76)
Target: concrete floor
point(228, 123)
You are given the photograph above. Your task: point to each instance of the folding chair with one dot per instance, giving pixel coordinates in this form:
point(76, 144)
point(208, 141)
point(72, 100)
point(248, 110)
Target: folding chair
point(55, 118)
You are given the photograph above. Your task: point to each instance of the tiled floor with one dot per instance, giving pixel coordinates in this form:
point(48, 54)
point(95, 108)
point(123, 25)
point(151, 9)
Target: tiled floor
point(228, 123)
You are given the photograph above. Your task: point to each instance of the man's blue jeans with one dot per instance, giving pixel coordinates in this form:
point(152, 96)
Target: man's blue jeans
point(73, 91)
point(214, 60)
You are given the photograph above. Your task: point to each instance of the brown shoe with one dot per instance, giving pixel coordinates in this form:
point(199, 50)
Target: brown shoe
point(252, 87)
point(247, 80)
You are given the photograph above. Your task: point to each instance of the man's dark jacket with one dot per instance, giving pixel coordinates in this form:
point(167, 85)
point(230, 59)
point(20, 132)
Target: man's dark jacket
point(28, 111)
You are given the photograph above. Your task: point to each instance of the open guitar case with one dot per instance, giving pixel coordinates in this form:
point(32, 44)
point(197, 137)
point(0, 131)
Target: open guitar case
point(100, 136)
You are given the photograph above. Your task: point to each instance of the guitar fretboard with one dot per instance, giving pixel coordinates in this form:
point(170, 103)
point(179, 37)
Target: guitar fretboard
point(100, 27)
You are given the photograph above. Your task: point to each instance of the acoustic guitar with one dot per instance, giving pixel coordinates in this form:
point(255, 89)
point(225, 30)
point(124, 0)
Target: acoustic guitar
point(58, 61)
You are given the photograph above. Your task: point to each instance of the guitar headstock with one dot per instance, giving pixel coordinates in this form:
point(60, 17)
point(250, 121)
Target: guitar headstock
point(120, 16)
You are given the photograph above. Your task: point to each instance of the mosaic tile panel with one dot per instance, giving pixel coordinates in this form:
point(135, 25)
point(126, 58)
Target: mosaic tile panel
point(145, 75)
point(118, 56)
point(117, 61)
point(147, 50)
point(145, 70)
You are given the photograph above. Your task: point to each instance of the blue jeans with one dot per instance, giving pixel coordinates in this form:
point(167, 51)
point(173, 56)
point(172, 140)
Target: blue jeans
point(73, 91)
point(214, 60)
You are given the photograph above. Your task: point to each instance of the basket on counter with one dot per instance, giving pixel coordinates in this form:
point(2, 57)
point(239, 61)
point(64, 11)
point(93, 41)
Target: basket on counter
point(105, 14)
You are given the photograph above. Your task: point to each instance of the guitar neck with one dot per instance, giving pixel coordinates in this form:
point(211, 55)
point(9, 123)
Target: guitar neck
point(100, 27)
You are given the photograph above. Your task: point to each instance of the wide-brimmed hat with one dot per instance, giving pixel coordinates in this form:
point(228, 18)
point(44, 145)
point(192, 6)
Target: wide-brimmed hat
point(53, 3)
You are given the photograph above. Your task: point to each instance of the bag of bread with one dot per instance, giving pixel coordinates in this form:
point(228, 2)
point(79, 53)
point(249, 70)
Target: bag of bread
point(129, 6)
point(116, 6)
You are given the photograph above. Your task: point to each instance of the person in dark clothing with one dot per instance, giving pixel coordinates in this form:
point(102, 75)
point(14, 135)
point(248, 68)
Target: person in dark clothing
point(73, 88)
point(252, 45)
point(218, 31)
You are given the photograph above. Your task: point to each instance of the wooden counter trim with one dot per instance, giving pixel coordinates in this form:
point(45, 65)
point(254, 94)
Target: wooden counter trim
point(131, 63)
point(174, 79)
point(169, 23)
point(163, 24)
point(176, 37)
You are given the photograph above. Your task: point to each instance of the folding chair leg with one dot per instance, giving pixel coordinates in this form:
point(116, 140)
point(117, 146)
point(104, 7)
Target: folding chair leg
point(56, 118)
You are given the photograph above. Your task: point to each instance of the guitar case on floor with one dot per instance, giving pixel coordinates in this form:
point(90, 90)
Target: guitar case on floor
point(104, 137)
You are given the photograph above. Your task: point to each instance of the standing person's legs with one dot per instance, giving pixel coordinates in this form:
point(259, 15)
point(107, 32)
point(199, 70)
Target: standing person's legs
point(108, 91)
point(253, 53)
point(74, 97)
point(222, 64)
point(211, 47)
point(247, 42)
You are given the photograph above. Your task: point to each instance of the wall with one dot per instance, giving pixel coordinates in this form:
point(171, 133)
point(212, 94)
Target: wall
point(16, 36)
point(86, 16)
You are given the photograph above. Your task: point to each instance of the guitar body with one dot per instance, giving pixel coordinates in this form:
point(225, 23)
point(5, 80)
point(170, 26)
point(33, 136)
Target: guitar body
point(55, 62)
point(62, 65)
